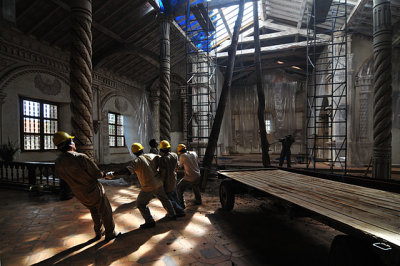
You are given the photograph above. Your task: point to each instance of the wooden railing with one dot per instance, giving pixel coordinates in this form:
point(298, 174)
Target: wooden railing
point(29, 174)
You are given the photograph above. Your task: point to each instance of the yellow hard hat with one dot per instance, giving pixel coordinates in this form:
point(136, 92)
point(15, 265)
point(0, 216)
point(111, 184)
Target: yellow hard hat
point(181, 147)
point(136, 147)
point(164, 145)
point(60, 137)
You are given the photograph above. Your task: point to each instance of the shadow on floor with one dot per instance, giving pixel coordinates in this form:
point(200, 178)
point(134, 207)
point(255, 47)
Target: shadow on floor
point(104, 253)
point(274, 239)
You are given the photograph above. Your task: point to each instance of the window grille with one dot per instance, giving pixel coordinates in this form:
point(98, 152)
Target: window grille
point(39, 121)
point(116, 130)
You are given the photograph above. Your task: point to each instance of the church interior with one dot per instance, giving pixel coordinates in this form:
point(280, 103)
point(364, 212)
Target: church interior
point(292, 107)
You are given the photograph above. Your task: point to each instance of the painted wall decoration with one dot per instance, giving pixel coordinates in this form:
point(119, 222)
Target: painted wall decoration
point(47, 86)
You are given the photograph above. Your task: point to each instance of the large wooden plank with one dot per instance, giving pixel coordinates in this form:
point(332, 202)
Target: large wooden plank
point(384, 220)
point(371, 211)
point(372, 197)
point(348, 199)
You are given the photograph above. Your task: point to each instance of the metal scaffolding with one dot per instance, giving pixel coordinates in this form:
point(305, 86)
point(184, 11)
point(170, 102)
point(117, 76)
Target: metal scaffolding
point(200, 76)
point(326, 121)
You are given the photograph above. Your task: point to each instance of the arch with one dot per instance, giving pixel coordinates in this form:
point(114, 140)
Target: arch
point(21, 70)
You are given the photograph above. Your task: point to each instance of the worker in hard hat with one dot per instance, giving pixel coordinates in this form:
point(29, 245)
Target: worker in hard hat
point(168, 165)
point(188, 160)
point(81, 174)
point(153, 146)
point(145, 166)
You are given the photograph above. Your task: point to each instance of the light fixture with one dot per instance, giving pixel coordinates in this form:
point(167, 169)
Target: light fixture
point(280, 62)
point(296, 67)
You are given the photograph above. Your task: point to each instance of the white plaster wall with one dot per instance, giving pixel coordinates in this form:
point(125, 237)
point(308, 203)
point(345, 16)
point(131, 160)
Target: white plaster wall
point(23, 86)
point(117, 155)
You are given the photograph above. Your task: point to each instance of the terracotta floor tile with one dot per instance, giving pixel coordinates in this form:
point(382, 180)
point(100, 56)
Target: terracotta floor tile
point(38, 229)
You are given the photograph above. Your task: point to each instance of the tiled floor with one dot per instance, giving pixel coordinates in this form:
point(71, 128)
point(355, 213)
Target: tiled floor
point(43, 230)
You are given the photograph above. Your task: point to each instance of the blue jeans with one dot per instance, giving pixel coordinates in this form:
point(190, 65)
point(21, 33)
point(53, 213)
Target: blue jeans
point(184, 184)
point(144, 198)
point(175, 203)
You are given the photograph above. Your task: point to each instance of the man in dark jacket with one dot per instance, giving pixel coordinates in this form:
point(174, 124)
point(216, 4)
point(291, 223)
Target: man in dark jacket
point(153, 146)
point(81, 174)
point(286, 143)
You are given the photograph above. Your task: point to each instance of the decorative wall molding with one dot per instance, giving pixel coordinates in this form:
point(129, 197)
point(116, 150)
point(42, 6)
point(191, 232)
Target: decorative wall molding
point(175, 79)
point(32, 51)
point(18, 48)
point(111, 80)
point(6, 63)
point(22, 70)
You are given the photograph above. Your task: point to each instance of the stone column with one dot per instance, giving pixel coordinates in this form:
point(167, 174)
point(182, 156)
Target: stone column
point(81, 75)
point(382, 124)
point(183, 98)
point(155, 109)
point(165, 71)
point(2, 100)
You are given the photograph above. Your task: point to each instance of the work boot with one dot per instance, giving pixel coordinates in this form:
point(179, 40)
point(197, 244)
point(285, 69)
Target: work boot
point(110, 237)
point(180, 214)
point(169, 218)
point(148, 225)
point(99, 234)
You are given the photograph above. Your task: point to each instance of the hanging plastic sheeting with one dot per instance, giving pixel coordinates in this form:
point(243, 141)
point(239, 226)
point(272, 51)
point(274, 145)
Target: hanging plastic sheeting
point(279, 114)
point(280, 97)
point(363, 121)
point(396, 107)
point(139, 126)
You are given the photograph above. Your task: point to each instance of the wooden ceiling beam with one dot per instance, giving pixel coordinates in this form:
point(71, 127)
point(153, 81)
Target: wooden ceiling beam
point(127, 49)
point(109, 15)
point(301, 16)
point(273, 65)
point(43, 20)
point(107, 32)
point(103, 6)
point(355, 12)
point(50, 32)
point(27, 9)
point(272, 48)
point(269, 36)
point(221, 13)
point(214, 4)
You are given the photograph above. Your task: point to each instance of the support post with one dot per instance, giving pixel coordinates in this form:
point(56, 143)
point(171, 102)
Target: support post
point(260, 91)
point(155, 108)
point(213, 139)
point(165, 71)
point(81, 75)
point(182, 97)
point(2, 101)
point(382, 125)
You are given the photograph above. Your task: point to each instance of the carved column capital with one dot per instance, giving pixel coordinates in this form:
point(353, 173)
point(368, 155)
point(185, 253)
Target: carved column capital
point(155, 95)
point(182, 92)
point(82, 8)
point(165, 18)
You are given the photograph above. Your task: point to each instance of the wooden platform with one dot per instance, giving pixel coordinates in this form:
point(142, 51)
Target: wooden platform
point(370, 211)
